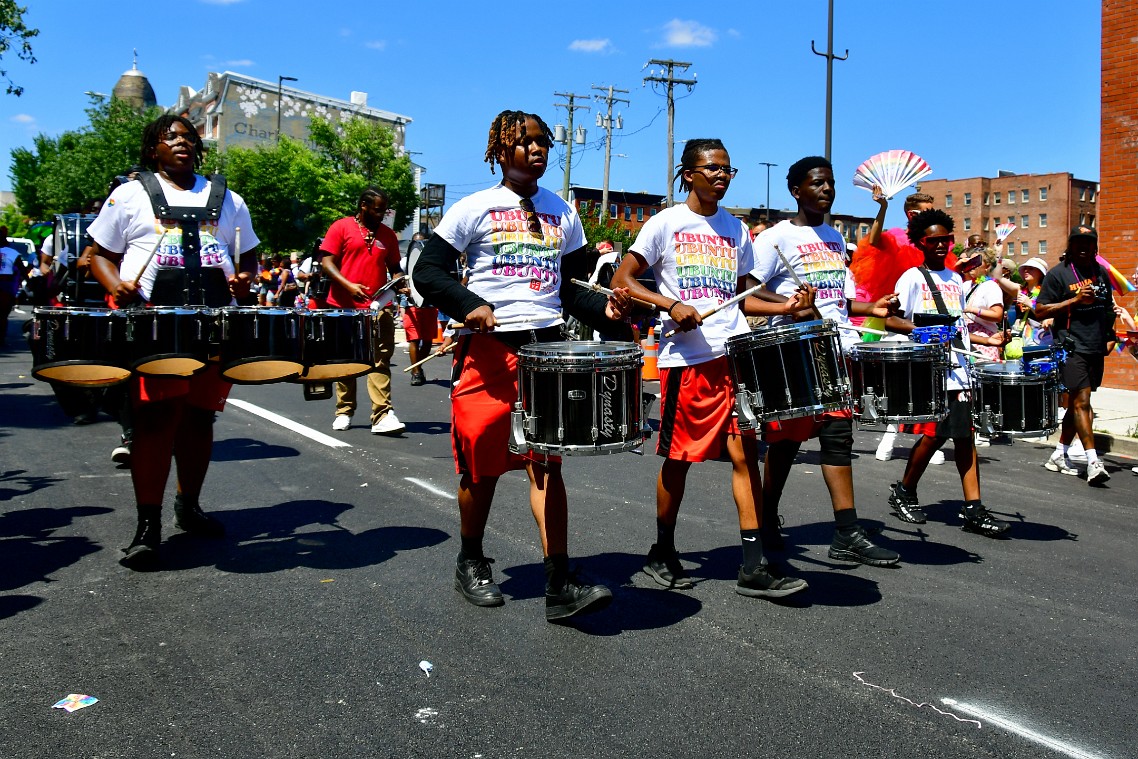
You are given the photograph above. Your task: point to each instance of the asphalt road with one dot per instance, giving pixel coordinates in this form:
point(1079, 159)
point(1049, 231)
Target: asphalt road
point(301, 633)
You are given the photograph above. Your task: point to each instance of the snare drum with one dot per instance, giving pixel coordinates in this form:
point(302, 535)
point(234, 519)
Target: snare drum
point(787, 372)
point(169, 342)
point(900, 382)
point(336, 344)
point(578, 399)
point(79, 346)
point(259, 345)
point(1016, 399)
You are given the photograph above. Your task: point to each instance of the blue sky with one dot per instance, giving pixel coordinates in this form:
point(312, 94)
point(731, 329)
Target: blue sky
point(970, 86)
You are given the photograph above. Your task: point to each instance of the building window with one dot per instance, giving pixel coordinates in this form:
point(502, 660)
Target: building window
point(1025, 196)
point(640, 213)
point(1023, 248)
point(997, 200)
point(948, 201)
point(1042, 220)
point(863, 230)
point(1011, 197)
point(986, 196)
point(985, 225)
point(1091, 220)
point(612, 210)
point(652, 212)
point(967, 199)
point(1011, 220)
point(628, 213)
point(1023, 221)
point(597, 210)
point(1083, 194)
point(1043, 193)
point(1043, 247)
point(1092, 198)
point(967, 225)
point(1082, 219)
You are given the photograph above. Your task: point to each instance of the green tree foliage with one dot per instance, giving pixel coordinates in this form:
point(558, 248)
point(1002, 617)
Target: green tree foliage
point(15, 34)
point(611, 230)
point(13, 218)
point(362, 152)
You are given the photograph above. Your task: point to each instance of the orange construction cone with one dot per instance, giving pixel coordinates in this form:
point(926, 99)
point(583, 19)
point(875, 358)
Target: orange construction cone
point(650, 371)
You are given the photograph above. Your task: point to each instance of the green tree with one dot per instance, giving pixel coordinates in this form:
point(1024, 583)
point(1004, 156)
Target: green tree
point(14, 33)
point(24, 172)
point(15, 220)
point(362, 152)
point(611, 230)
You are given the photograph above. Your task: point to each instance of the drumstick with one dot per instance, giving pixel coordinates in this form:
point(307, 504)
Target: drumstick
point(741, 296)
point(794, 276)
point(500, 322)
point(963, 352)
point(150, 258)
point(604, 290)
point(863, 330)
point(436, 354)
point(237, 248)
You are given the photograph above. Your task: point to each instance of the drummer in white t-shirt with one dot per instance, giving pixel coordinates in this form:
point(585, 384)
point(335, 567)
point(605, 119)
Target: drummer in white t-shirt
point(699, 253)
point(817, 254)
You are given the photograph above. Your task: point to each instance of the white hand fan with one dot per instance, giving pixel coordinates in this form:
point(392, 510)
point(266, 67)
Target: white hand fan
point(893, 171)
point(1003, 231)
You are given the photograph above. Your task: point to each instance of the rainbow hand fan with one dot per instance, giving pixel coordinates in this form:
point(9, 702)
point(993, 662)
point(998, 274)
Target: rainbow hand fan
point(1003, 231)
point(893, 171)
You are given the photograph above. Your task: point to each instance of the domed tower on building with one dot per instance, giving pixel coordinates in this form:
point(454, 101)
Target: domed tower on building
point(134, 88)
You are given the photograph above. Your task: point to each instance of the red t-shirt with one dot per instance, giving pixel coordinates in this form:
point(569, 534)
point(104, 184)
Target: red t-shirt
point(357, 263)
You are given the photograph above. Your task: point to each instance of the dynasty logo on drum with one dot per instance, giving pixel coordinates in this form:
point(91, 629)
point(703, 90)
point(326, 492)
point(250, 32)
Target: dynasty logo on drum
point(706, 266)
point(520, 253)
point(607, 422)
point(213, 253)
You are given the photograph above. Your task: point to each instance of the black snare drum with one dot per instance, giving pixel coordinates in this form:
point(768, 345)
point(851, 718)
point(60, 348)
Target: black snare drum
point(578, 398)
point(335, 344)
point(787, 372)
point(169, 342)
point(900, 382)
point(1015, 400)
point(79, 346)
point(259, 345)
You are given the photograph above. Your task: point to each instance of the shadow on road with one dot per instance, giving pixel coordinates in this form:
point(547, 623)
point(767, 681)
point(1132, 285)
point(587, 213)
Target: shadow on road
point(31, 550)
point(244, 449)
point(427, 428)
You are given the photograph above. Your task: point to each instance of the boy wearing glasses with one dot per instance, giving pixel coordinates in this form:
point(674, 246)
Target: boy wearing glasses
point(934, 288)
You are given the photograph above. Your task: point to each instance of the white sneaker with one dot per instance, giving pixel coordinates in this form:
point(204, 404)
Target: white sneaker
point(1060, 463)
point(937, 458)
point(388, 425)
point(1096, 473)
point(982, 442)
point(341, 422)
point(884, 454)
point(1134, 469)
point(885, 447)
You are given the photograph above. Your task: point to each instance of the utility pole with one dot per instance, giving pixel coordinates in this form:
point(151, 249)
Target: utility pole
point(768, 165)
point(830, 58)
point(671, 81)
point(606, 121)
point(569, 137)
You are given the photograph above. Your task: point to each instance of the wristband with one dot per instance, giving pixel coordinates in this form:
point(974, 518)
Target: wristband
point(673, 306)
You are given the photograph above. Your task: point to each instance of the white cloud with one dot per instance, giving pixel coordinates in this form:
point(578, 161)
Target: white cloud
point(679, 33)
point(240, 63)
point(23, 118)
point(591, 46)
point(376, 44)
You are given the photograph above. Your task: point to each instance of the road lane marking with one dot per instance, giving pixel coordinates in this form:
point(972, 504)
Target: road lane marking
point(428, 486)
point(289, 424)
point(100, 476)
point(1052, 743)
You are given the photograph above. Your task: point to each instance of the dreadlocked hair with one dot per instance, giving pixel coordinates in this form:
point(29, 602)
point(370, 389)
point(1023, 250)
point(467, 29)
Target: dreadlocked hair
point(371, 193)
point(157, 129)
point(505, 133)
point(932, 217)
point(693, 149)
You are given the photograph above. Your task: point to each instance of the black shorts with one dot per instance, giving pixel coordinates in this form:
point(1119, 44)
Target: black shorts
point(958, 423)
point(1082, 370)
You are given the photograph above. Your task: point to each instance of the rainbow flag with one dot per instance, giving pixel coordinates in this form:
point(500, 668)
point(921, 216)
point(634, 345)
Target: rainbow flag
point(1119, 282)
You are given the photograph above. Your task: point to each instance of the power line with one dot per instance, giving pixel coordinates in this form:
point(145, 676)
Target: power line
point(671, 81)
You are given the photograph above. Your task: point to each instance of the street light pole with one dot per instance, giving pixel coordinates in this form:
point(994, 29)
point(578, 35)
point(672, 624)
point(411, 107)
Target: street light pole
point(768, 165)
point(280, 90)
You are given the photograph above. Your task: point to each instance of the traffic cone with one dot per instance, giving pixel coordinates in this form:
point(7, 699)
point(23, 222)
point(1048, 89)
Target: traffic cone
point(650, 371)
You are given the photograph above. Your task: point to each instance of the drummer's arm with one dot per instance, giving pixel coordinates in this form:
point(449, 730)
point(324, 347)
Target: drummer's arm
point(331, 265)
point(105, 267)
point(899, 324)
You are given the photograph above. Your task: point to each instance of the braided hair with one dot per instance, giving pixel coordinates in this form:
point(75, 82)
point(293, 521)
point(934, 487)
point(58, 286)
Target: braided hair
point(505, 133)
point(693, 149)
point(157, 129)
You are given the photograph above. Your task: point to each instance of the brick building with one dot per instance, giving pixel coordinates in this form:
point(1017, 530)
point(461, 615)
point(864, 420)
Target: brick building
point(631, 209)
point(850, 227)
point(1118, 214)
point(1043, 207)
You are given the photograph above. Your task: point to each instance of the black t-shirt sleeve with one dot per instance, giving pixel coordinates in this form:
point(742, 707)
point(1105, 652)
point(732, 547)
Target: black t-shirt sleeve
point(586, 305)
point(1053, 289)
point(435, 283)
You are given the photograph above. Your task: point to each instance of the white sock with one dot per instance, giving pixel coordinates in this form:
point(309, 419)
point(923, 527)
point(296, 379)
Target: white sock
point(1062, 448)
point(1092, 456)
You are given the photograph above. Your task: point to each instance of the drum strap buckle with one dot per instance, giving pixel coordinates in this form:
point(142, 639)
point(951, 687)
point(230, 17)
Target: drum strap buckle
point(990, 422)
point(745, 403)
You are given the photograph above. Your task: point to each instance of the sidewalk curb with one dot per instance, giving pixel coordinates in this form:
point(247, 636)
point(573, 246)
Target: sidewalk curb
point(1116, 445)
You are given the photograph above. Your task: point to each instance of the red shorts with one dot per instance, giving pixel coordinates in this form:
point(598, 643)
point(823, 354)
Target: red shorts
point(697, 405)
point(206, 390)
point(801, 429)
point(481, 403)
point(421, 323)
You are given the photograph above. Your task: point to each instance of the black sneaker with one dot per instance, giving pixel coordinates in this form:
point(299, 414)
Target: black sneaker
point(856, 546)
point(575, 598)
point(474, 579)
point(418, 378)
point(142, 553)
point(762, 584)
point(666, 570)
point(193, 520)
point(981, 522)
point(905, 507)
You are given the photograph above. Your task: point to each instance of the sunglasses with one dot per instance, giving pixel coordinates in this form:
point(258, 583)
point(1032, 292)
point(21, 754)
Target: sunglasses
point(931, 241)
point(714, 168)
point(532, 221)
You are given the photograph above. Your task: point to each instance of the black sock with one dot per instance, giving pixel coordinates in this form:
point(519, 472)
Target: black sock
point(471, 548)
point(181, 500)
point(971, 507)
point(556, 572)
point(665, 536)
point(845, 520)
point(149, 512)
point(752, 550)
point(905, 491)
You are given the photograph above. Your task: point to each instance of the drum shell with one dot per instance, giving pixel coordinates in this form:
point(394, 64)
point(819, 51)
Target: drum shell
point(1008, 401)
point(788, 372)
point(169, 341)
point(336, 344)
point(84, 347)
point(900, 382)
point(259, 345)
point(578, 399)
